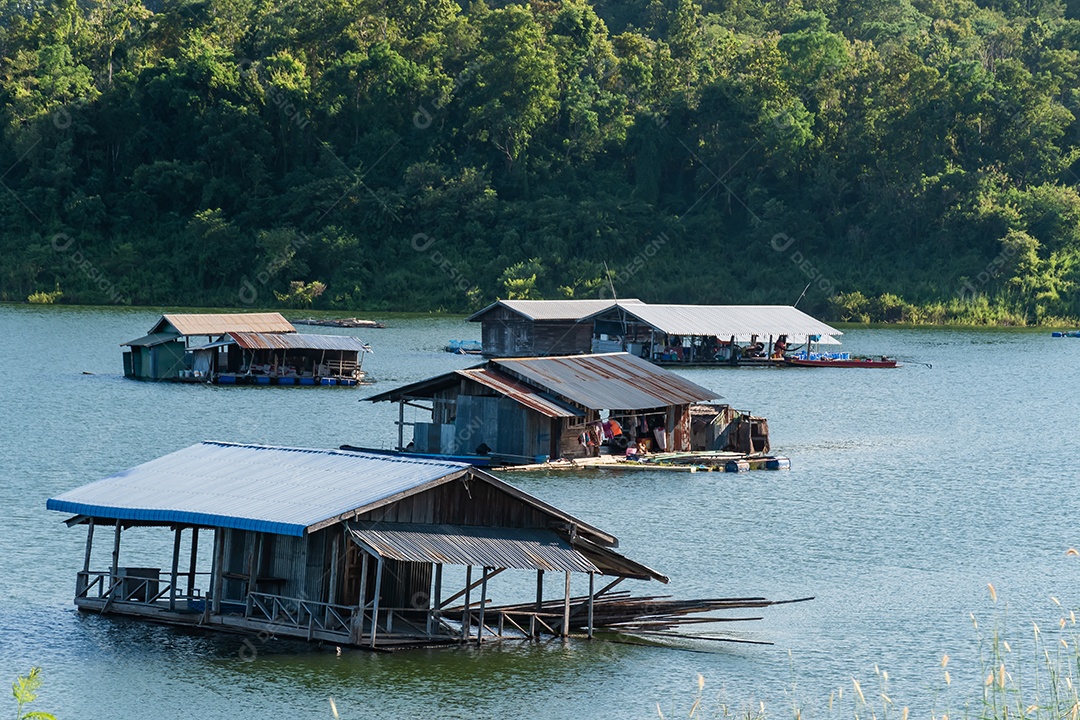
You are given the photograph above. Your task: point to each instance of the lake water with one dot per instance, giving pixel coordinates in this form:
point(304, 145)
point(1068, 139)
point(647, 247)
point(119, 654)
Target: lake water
point(911, 489)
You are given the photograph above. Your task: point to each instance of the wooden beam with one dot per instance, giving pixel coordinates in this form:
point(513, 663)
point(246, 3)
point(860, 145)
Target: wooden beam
point(375, 602)
point(483, 603)
point(89, 545)
point(114, 569)
point(469, 587)
point(218, 574)
point(465, 619)
point(566, 607)
point(175, 567)
point(592, 578)
point(193, 562)
point(539, 589)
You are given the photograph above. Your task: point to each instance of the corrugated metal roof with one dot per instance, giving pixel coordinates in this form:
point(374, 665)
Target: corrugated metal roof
point(522, 549)
point(723, 321)
point(554, 309)
point(251, 487)
point(151, 340)
point(518, 391)
point(221, 323)
point(615, 381)
point(297, 341)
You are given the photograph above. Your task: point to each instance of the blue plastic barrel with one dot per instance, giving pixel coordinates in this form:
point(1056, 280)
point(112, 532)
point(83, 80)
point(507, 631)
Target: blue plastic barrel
point(780, 463)
point(736, 466)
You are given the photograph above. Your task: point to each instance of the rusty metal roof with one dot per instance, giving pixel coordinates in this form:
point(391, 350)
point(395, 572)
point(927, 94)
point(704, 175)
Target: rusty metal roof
point(221, 323)
point(723, 321)
point(554, 309)
point(614, 381)
point(518, 391)
point(518, 548)
point(297, 341)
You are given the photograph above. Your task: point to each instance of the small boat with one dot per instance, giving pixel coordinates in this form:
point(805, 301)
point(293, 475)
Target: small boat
point(882, 362)
point(351, 323)
point(464, 347)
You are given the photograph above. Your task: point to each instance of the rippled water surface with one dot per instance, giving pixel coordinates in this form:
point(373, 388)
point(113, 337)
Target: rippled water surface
point(911, 489)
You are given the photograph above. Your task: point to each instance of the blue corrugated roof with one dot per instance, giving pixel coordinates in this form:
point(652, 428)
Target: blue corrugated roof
point(250, 487)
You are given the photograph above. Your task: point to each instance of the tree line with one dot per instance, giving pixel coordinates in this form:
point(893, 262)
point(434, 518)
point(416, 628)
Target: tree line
point(897, 160)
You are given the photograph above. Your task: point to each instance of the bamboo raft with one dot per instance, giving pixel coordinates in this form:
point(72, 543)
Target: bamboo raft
point(621, 613)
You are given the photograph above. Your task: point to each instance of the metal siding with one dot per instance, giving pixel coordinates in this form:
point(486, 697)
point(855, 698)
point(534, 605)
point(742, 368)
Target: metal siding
point(483, 547)
point(521, 393)
point(618, 381)
point(250, 487)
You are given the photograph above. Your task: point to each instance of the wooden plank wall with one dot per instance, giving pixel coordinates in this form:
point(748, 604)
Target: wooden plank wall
point(461, 503)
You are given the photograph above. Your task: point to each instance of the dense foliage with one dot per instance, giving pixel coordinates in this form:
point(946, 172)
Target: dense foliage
point(908, 159)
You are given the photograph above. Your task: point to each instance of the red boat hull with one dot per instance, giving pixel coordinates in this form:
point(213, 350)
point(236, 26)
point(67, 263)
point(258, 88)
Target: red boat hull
point(856, 363)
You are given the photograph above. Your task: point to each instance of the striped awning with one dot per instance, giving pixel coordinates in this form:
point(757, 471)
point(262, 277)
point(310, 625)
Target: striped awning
point(521, 549)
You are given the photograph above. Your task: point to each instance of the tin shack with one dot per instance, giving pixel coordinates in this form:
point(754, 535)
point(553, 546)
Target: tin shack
point(242, 348)
point(526, 410)
point(165, 352)
point(349, 548)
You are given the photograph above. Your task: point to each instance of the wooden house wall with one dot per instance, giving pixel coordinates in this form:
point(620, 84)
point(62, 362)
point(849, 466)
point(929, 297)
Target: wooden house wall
point(461, 502)
point(562, 338)
point(506, 334)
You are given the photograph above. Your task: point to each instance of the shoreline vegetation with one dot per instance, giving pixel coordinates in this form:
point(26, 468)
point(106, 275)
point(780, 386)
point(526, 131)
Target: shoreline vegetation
point(979, 314)
point(901, 160)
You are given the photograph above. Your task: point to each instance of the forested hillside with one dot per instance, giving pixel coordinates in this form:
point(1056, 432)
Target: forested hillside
point(907, 159)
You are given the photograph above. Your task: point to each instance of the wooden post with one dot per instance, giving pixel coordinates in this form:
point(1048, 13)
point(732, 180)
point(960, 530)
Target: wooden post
point(359, 632)
point(114, 570)
point(335, 572)
point(193, 562)
point(375, 603)
point(539, 589)
point(218, 574)
point(401, 425)
point(770, 348)
point(566, 608)
point(483, 603)
point(252, 569)
point(465, 619)
point(592, 579)
point(175, 567)
point(432, 618)
point(83, 580)
point(89, 545)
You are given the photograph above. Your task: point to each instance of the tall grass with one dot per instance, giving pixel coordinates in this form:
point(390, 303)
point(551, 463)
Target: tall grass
point(1032, 675)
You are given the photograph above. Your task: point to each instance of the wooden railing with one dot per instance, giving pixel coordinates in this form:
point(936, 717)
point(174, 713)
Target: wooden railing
point(102, 585)
point(299, 614)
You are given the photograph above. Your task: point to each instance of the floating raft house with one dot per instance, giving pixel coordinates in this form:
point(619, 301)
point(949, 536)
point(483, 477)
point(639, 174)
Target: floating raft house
point(242, 348)
point(530, 328)
point(532, 410)
point(681, 335)
point(351, 548)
